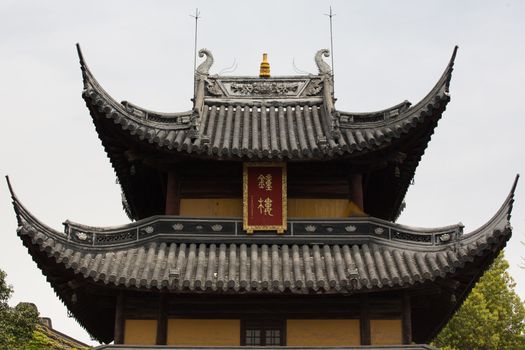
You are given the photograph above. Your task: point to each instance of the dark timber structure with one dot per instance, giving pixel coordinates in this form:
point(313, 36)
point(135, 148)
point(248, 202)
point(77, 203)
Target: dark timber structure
point(185, 273)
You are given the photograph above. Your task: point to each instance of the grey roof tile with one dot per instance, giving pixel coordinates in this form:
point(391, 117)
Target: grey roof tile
point(263, 128)
point(289, 264)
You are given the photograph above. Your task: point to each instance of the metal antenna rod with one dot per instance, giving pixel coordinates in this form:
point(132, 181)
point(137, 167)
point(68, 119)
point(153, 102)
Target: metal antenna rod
point(197, 16)
point(331, 15)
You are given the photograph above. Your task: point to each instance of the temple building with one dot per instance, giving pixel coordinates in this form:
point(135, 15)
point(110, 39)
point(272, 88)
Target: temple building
point(263, 216)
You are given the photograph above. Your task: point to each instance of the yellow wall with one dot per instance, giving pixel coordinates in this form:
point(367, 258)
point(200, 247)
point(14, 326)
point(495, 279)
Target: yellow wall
point(386, 332)
point(322, 332)
point(140, 332)
point(321, 208)
point(204, 332)
point(297, 207)
point(225, 207)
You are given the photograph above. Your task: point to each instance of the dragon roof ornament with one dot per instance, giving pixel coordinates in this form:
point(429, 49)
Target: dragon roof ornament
point(323, 67)
point(204, 67)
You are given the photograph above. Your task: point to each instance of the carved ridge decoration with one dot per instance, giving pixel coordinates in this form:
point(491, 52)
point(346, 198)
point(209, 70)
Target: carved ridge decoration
point(213, 88)
point(314, 88)
point(265, 88)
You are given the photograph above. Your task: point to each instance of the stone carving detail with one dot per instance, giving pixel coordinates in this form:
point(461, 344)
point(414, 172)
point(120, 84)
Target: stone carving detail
point(213, 88)
point(264, 88)
point(324, 68)
point(178, 226)
point(81, 235)
point(379, 230)
point(411, 237)
point(216, 227)
point(350, 228)
point(204, 67)
point(314, 88)
point(310, 228)
point(122, 236)
point(444, 237)
point(148, 229)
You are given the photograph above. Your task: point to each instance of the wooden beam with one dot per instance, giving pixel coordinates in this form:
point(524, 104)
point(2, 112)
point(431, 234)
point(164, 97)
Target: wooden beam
point(172, 195)
point(162, 320)
point(365, 321)
point(119, 319)
point(407, 319)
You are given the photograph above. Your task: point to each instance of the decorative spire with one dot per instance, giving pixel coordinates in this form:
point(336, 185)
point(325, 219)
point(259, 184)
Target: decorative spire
point(265, 67)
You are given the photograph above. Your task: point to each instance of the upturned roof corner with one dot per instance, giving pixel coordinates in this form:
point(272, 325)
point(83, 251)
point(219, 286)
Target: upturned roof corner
point(289, 118)
point(360, 255)
point(307, 102)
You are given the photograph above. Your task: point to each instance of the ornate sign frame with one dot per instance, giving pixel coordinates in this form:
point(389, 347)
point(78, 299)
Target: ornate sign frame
point(249, 227)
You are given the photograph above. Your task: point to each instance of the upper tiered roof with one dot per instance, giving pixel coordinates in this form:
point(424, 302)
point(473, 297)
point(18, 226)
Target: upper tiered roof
point(290, 118)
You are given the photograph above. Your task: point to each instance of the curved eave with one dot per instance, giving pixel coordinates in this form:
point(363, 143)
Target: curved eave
point(500, 225)
point(305, 140)
point(42, 249)
point(403, 114)
point(141, 116)
point(181, 264)
point(420, 121)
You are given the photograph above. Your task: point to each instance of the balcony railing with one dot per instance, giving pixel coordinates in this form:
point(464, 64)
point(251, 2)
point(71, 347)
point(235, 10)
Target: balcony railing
point(224, 230)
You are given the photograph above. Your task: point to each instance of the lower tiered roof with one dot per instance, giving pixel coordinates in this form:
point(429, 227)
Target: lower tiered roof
point(214, 256)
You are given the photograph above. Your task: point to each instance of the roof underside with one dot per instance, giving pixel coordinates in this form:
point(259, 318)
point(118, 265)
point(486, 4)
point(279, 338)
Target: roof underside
point(213, 257)
point(250, 119)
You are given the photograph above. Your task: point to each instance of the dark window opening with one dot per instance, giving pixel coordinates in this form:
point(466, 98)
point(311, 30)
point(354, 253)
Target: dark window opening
point(263, 332)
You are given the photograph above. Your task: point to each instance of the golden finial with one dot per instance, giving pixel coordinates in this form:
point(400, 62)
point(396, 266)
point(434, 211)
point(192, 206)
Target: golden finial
point(265, 67)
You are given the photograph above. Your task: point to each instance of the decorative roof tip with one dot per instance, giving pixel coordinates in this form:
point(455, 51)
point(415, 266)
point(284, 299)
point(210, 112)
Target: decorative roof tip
point(83, 66)
point(80, 55)
point(452, 59)
point(510, 198)
point(323, 67)
point(505, 210)
point(515, 184)
point(447, 75)
point(204, 67)
point(13, 196)
point(265, 67)
point(16, 203)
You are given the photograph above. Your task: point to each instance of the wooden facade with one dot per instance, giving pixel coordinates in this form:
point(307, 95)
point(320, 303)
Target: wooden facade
point(222, 321)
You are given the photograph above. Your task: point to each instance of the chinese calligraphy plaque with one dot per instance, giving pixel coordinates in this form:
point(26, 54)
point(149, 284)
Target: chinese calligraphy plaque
point(264, 199)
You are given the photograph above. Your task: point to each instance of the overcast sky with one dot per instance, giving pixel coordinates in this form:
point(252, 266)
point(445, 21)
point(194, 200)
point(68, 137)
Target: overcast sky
point(143, 53)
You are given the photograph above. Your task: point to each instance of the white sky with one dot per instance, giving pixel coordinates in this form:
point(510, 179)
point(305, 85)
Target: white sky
point(143, 52)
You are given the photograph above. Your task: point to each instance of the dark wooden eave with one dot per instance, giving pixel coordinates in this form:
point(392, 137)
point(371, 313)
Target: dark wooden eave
point(212, 257)
point(387, 145)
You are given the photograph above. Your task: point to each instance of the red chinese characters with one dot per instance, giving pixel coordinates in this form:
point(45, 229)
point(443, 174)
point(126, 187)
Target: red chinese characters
point(264, 196)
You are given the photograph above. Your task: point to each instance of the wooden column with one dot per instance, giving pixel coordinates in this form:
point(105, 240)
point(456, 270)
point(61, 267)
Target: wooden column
point(365, 321)
point(356, 190)
point(162, 320)
point(407, 319)
point(172, 195)
point(119, 319)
